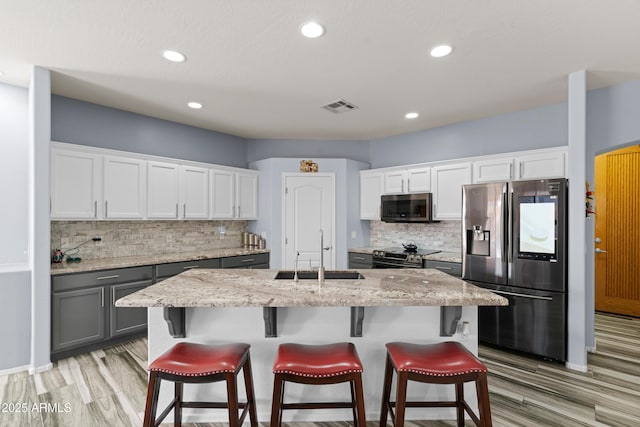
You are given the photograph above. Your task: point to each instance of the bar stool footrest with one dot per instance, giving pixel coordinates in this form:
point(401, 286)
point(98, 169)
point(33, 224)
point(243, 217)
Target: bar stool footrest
point(317, 405)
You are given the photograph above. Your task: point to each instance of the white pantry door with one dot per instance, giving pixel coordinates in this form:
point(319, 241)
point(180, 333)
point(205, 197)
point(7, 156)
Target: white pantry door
point(309, 206)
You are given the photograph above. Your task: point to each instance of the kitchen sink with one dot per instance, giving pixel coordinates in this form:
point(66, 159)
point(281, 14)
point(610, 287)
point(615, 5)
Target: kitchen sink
point(328, 275)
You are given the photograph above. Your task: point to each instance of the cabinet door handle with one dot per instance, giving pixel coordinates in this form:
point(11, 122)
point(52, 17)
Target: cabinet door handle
point(105, 210)
point(114, 276)
point(102, 297)
point(184, 210)
point(238, 211)
point(248, 260)
point(510, 170)
point(190, 267)
point(442, 268)
point(359, 258)
point(176, 210)
point(95, 209)
point(113, 297)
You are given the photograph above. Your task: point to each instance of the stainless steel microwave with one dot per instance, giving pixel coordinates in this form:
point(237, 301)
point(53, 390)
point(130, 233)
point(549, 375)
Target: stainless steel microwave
point(406, 208)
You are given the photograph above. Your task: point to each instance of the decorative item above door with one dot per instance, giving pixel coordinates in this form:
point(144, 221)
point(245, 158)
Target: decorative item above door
point(308, 166)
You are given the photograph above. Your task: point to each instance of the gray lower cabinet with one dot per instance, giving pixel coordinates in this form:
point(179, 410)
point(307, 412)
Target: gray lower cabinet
point(126, 320)
point(78, 318)
point(246, 261)
point(360, 261)
point(83, 312)
point(84, 316)
point(452, 268)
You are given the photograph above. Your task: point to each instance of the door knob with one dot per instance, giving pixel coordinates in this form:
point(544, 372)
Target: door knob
point(598, 240)
point(600, 251)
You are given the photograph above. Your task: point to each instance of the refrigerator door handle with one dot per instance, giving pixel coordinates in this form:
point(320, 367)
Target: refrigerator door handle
point(522, 295)
point(510, 236)
point(505, 226)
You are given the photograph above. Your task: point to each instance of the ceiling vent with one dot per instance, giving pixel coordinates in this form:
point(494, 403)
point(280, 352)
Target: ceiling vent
point(340, 106)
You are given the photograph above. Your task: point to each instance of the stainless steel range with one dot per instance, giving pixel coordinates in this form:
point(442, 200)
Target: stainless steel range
point(400, 258)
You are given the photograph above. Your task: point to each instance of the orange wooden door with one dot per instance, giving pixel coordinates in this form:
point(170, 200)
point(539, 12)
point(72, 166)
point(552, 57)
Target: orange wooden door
point(617, 231)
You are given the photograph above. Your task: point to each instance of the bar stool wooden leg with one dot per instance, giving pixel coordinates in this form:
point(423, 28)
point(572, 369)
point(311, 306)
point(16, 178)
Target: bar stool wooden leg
point(232, 393)
point(276, 405)
point(386, 393)
point(152, 400)
point(177, 409)
point(484, 408)
point(359, 399)
point(401, 398)
point(251, 399)
point(460, 404)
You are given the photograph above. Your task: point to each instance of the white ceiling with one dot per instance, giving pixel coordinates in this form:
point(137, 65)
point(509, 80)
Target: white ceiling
point(259, 78)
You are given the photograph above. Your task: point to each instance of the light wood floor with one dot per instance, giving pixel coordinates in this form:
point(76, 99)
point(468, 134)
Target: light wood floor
point(108, 387)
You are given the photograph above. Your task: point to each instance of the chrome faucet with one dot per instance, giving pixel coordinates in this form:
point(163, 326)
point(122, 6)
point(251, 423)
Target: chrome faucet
point(295, 267)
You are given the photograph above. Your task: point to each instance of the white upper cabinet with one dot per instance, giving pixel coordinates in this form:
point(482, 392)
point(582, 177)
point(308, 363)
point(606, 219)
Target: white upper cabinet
point(94, 183)
point(371, 184)
point(419, 180)
point(222, 186)
point(125, 189)
point(395, 182)
point(162, 190)
point(75, 184)
point(234, 195)
point(194, 192)
point(498, 169)
point(447, 189)
point(247, 195)
point(550, 164)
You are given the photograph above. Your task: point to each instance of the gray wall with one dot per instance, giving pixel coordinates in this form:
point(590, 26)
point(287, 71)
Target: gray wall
point(14, 191)
point(259, 149)
point(78, 122)
point(523, 130)
point(15, 319)
point(15, 278)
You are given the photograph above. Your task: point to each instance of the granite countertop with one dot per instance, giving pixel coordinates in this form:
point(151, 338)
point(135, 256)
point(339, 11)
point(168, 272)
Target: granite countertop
point(259, 288)
point(440, 256)
point(136, 261)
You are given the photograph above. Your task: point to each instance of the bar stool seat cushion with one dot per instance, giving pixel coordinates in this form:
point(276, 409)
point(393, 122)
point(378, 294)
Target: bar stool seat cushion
point(317, 360)
point(441, 359)
point(193, 360)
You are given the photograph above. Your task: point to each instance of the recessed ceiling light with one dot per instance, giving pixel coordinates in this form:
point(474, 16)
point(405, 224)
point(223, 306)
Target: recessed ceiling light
point(194, 105)
point(312, 30)
point(411, 115)
point(173, 56)
point(442, 50)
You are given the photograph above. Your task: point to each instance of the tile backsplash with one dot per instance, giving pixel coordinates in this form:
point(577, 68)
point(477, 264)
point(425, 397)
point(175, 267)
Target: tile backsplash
point(132, 238)
point(443, 235)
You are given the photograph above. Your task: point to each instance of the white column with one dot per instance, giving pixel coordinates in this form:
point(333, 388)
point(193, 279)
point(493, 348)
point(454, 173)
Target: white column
point(577, 289)
point(40, 228)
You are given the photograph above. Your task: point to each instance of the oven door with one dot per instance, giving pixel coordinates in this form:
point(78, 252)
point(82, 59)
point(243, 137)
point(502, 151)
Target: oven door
point(381, 263)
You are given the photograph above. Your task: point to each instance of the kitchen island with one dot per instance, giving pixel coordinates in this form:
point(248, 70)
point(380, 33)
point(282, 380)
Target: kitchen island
point(222, 305)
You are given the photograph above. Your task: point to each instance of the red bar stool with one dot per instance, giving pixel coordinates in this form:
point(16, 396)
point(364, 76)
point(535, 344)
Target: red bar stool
point(442, 363)
point(197, 363)
point(318, 364)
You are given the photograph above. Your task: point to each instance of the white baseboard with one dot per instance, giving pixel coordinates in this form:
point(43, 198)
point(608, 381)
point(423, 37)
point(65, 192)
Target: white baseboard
point(575, 367)
point(36, 370)
point(14, 370)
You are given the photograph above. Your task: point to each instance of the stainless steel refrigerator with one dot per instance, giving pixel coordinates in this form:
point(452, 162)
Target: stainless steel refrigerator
point(514, 243)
